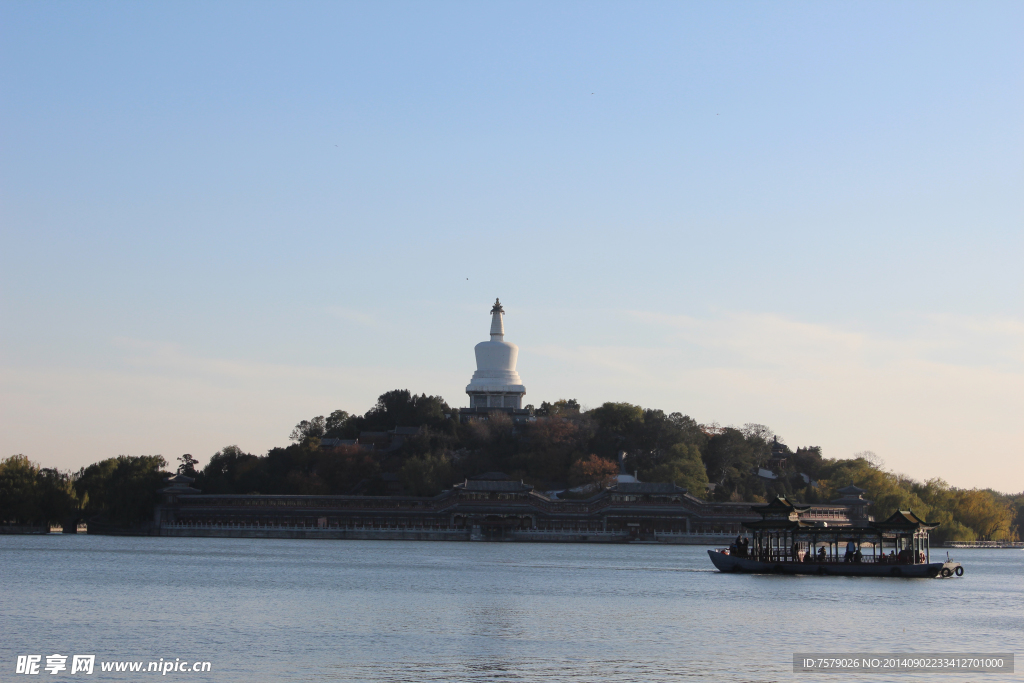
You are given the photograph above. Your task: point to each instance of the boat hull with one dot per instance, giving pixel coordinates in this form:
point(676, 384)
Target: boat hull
point(734, 564)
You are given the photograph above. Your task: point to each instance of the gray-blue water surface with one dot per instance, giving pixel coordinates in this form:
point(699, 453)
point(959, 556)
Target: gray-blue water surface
point(282, 610)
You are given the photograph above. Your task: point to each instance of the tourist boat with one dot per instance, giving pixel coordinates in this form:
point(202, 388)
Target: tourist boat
point(781, 542)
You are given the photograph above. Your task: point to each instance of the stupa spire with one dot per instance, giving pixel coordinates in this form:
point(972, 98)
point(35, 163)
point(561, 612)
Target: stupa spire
point(497, 323)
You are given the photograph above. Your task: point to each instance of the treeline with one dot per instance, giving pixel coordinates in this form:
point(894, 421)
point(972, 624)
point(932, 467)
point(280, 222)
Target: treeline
point(118, 491)
point(422, 448)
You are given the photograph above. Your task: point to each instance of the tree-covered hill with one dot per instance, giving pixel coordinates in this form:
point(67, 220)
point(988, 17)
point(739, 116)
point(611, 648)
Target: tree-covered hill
point(418, 446)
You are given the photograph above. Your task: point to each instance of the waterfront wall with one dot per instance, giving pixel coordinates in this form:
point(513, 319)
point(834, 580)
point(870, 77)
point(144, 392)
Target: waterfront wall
point(468, 534)
point(316, 533)
point(478, 510)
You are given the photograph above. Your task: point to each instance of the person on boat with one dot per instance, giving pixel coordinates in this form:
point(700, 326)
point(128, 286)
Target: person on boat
point(858, 556)
point(809, 555)
point(851, 550)
point(796, 551)
point(821, 554)
point(744, 546)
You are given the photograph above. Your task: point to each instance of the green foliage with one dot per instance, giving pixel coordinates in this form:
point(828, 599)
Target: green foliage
point(309, 429)
point(18, 501)
point(618, 427)
point(122, 490)
point(301, 469)
point(427, 475)
point(400, 408)
point(889, 492)
point(560, 408)
point(32, 495)
point(682, 466)
point(188, 465)
point(231, 470)
point(341, 425)
point(962, 514)
point(55, 493)
point(728, 457)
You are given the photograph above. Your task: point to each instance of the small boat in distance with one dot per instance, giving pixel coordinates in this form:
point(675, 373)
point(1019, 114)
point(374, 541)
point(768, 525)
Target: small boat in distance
point(782, 543)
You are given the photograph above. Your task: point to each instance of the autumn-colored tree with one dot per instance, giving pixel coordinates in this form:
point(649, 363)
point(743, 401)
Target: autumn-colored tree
point(592, 470)
point(550, 446)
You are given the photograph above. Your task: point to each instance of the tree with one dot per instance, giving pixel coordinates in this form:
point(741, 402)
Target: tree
point(760, 439)
point(547, 449)
point(57, 502)
point(309, 429)
point(188, 465)
point(560, 408)
point(232, 470)
point(682, 467)
point(592, 470)
point(122, 490)
point(18, 502)
point(426, 476)
point(871, 457)
point(400, 408)
point(33, 495)
point(345, 466)
point(340, 424)
point(728, 454)
point(617, 426)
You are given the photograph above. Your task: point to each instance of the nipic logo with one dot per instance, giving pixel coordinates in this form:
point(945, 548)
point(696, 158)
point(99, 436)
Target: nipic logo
point(32, 665)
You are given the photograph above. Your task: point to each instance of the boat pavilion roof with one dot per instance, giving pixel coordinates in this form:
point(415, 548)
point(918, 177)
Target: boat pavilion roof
point(779, 504)
point(903, 520)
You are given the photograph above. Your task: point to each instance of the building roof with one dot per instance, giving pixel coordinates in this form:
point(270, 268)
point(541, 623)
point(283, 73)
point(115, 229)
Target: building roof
point(904, 519)
point(334, 443)
point(852, 495)
point(494, 486)
point(779, 504)
point(179, 483)
point(491, 476)
point(645, 487)
point(406, 431)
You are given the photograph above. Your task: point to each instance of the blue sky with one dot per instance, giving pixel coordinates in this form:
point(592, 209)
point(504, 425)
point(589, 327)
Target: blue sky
point(217, 219)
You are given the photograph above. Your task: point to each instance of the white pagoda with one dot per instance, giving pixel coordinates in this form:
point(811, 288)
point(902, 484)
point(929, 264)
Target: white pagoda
point(496, 384)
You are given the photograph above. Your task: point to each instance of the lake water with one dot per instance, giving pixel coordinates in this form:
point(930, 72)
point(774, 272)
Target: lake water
point(291, 610)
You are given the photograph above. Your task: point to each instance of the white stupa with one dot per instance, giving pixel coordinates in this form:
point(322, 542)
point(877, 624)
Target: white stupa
point(496, 383)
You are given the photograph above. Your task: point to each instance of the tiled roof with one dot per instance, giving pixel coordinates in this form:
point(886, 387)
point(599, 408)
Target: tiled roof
point(490, 476)
point(646, 487)
point(497, 486)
